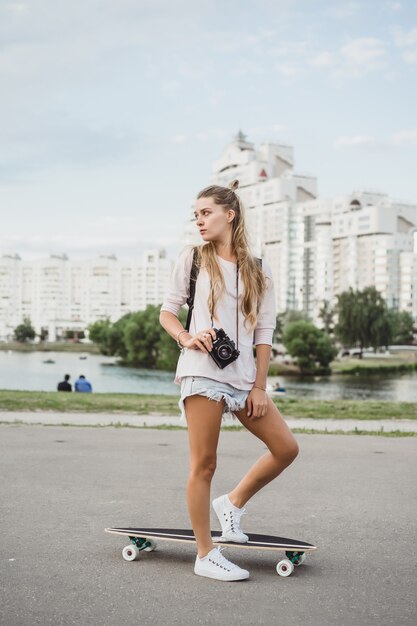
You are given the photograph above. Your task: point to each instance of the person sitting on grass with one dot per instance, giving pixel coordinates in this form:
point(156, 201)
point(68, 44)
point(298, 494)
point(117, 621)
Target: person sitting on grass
point(83, 385)
point(64, 385)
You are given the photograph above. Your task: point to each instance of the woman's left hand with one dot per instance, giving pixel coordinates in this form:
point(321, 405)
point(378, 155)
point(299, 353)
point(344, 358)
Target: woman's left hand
point(257, 403)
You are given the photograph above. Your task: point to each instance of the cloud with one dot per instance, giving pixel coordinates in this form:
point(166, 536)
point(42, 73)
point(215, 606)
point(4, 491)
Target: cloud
point(354, 59)
point(124, 236)
point(404, 39)
point(255, 132)
point(405, 137)
point(35, 142)
point(221, 134)
point(343, 10)
point(354, 141)
point(394, 6)
point(207, 134)
point(201, 136)
point(410, 56)
point(402, 138)
point(289, 69)
point(407, 42)
point(248, 67)
point(277, 128)
point(86, 247)
point(289, 48)
point(322, 59)
point(364, 53)
point(179, 138)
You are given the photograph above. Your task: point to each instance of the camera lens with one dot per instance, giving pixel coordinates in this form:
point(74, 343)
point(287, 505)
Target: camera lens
point(224, 352)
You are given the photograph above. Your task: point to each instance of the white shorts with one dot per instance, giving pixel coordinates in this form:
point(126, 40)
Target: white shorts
point(234, 399)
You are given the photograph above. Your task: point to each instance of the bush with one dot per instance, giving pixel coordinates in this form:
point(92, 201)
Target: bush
point(311, 347)
point(25, 331)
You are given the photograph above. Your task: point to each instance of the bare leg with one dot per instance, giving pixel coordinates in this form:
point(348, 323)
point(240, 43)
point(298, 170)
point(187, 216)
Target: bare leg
point(204, 421)
point(283, 448)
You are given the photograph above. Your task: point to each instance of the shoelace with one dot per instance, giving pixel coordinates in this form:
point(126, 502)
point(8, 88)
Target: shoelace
point(234, 521)
point(223, 562)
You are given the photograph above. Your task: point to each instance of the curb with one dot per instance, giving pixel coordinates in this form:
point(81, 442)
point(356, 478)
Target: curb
point(149, 421)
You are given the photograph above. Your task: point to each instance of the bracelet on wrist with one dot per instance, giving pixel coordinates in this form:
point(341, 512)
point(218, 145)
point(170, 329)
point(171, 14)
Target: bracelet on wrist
point(257, 387)
point(178, 338)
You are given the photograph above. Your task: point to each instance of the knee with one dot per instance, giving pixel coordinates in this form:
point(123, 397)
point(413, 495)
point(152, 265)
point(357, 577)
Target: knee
point(286, 452)
point(292, 450)
point(203, 469)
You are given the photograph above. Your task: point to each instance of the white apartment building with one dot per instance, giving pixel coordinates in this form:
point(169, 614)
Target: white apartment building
point(360, 240)
point(319, 247)
point(60, 294)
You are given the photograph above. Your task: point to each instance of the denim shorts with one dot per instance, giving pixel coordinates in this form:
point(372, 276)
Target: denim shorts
point(234, 399)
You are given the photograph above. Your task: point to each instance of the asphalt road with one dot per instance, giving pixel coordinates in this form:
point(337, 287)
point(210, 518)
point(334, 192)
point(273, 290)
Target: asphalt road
point(355, 497)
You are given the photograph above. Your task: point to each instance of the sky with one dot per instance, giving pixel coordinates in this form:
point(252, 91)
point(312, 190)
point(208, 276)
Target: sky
point(113, 111)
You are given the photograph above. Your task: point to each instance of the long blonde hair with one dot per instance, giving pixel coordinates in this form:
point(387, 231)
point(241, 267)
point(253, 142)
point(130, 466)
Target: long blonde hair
point(252, 276)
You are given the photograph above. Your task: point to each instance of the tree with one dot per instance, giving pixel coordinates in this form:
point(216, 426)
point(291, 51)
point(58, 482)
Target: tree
point(110, 337)
point(362, 319)
point(326, 314)
point(98, 334)
point(285, 318)
point(347, 328)
point(309, 345)
point(141, 335)
point(25, 331)
point(402, 327)
point(138, 338)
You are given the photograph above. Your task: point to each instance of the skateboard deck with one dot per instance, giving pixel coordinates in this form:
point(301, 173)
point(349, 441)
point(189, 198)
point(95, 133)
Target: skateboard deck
point(143, 539)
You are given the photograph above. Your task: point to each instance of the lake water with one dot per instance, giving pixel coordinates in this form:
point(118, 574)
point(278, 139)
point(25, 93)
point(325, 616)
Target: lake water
point(20, 370)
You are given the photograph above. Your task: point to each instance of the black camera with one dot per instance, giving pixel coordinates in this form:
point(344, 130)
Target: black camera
point(224, 350)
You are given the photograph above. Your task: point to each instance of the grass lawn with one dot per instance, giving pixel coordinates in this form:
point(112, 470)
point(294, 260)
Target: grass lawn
point(138, 404)
point(395, 362)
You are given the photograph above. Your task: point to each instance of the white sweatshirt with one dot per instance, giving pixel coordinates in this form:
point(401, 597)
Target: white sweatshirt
point(242, 372)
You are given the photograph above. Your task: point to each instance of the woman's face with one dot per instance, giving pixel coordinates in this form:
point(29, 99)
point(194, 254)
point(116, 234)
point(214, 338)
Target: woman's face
point(212, 221)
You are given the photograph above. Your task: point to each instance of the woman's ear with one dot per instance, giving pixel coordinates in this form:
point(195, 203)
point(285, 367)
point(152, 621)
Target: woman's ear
point(230, 216)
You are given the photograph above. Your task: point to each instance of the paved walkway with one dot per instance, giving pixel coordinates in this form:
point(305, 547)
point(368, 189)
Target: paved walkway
point(103, 419)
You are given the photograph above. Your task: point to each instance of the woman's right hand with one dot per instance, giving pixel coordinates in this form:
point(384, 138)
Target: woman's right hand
point(203, 340)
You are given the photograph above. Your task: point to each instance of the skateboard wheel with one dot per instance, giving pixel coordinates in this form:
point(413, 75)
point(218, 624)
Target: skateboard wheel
point(152, 545)
point(130, 553)
point(285, 568)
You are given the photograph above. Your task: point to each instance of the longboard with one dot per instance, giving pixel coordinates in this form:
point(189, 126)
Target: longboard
point(143, 540)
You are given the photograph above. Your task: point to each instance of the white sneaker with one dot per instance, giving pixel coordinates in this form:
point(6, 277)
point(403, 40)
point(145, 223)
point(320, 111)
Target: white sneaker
point(215, 565)
point(229, 518)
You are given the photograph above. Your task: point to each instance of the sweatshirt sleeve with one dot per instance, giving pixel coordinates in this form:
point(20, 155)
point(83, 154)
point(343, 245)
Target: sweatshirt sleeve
point(180, 282)
point(267, 311)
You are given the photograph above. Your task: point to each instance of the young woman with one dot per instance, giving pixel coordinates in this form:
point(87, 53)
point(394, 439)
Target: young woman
point(235, 293)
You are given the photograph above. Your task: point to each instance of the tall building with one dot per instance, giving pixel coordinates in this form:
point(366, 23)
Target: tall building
point(319, 247)
point(360, 240)
point(60, 294)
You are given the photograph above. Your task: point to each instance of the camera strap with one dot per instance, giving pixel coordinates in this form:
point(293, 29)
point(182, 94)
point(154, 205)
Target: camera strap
point(237, 307)
point(190, 300)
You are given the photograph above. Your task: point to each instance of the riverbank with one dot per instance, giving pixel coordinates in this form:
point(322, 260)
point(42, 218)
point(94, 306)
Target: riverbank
point(141, 404)
point(58, 346)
